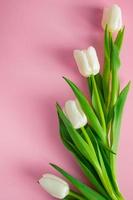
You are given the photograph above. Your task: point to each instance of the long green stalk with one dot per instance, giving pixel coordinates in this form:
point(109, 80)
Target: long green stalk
point(98, 103)
point(102, 173)
point(76, 195)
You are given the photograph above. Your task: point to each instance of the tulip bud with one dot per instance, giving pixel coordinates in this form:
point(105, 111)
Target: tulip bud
point(55, 186)
point(112, 17)
point(75, 114)
point(87, 61)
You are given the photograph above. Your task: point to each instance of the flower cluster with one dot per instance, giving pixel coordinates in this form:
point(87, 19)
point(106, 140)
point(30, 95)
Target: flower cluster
point(90, 130)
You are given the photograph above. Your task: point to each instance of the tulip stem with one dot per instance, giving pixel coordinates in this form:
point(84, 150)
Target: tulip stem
point(88, 140)
point(114, 92)
point(76, 195)
point(85, 135)
point(98, 101)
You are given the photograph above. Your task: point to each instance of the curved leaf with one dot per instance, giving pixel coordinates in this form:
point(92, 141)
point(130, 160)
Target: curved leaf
point(85, 190)
point(79, 142)
point(92, 118)
point(118, 110)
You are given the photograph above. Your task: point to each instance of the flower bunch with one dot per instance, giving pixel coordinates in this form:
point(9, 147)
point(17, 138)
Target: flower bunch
point(90, 129)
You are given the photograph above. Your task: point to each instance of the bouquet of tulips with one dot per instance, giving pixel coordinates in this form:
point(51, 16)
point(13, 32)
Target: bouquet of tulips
point(90, 129)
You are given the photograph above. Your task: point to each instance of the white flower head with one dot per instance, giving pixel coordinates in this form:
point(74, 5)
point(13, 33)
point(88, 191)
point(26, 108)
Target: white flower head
point(75, 114)
point(87, 61)
point(112, 16)
point(55, 186)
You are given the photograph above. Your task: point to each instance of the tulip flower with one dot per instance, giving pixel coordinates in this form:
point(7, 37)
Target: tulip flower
point(87, 61)
point(75, 114)
point(112, 17)
point(55, 186)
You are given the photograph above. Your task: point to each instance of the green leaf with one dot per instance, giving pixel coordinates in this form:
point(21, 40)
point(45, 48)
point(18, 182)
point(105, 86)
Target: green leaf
point(118, 110)
point(98, 79)
point(85, 190)
point(96, 140)
point(74, 195)
point(119, 39)
point(114, 89)
point(115, 59)
point(92, 118)
point(91, 174)
point(99, 83)
point(115, 64)
point(69, 198)
point(86, 167)
point(104, 176)
point(109, 170)
point(65, 137)
point(89, 83)
point(107, 44)
point(106, 69)
point(79, 142)
point(88, 170)
point(96, 100)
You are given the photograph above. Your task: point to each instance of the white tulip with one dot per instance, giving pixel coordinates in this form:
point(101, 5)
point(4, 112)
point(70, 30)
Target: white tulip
point(87, 61)
point(55, 186)
point(112, 17)
point(75, 114)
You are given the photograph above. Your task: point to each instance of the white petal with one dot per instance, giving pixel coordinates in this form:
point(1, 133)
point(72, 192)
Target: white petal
point(84, 118)
point(74, 114)
point(93, 60)
point(82, 63)
point(115, 19)
point(112, 16)
point(54, 185)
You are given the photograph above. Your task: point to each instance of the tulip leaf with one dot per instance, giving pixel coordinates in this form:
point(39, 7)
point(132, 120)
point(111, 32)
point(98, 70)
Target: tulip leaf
point(96, 140)
point(91, 116)
point(65, 137)
point(86, 167)
point(85, 190)
point(115, 64)
point(69, 198)
point(119, 39)
point(118, 110)
point(88, 170)
point(97, 103)
point(98, 80)
point(106, 180)
point(107, 44)
point(79, 142)
point(89, 82)
point(99, 83)
point(106, 69)
point(74, 195)
point(91, 174)
point(98, 147)
point(115, 59)
point(109, 170)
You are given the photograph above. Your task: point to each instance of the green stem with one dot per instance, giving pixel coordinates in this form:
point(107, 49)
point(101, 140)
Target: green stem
point(86, 136)
point(76, 195)
point(113, 170)
point(88, 140)
point(106, 182)
point(114, 92)
point(102, 175)
point(99, 103)
point(109, 93)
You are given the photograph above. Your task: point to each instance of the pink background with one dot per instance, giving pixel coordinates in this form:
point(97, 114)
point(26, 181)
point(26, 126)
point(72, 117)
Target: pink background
point(37, 38)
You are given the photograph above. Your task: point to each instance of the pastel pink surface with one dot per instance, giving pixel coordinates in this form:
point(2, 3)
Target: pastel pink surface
point(37, 38)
